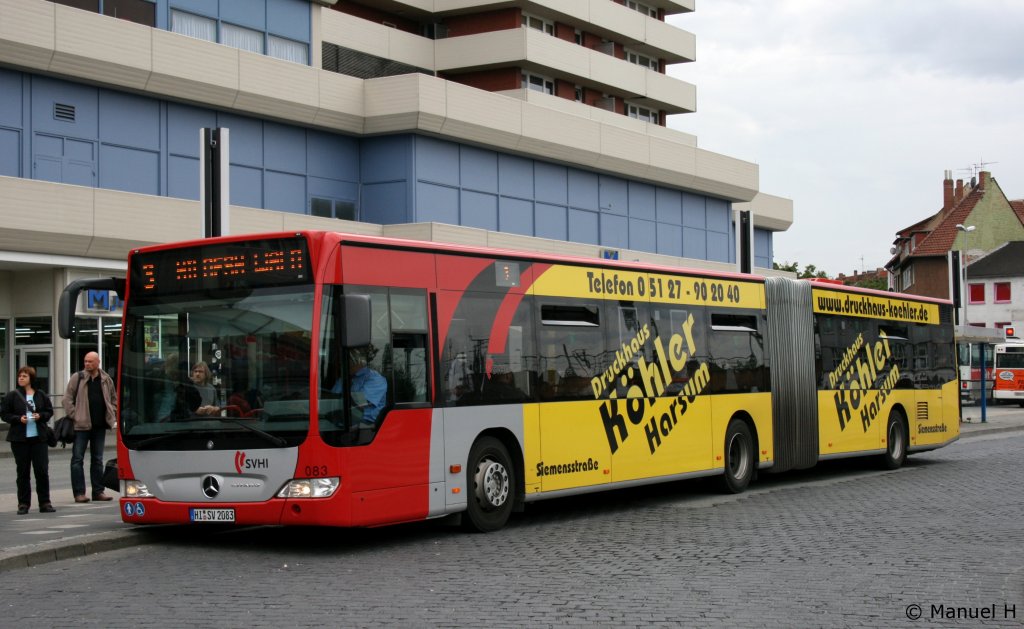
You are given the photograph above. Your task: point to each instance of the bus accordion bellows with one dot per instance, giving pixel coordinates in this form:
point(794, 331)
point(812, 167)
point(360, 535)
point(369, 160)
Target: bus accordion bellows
point(363, 381)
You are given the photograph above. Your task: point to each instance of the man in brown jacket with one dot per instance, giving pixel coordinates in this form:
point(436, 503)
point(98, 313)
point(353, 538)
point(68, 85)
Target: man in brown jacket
point(92, 401)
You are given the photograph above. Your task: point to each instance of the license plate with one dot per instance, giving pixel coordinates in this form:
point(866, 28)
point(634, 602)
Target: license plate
point(212, 515)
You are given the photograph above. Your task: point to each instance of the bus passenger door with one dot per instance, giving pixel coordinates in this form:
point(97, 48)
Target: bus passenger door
point(574, 447)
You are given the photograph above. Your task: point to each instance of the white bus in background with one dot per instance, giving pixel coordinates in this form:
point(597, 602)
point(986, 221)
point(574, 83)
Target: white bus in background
point(969, 363)
point(1008, 372)
point(968, 350)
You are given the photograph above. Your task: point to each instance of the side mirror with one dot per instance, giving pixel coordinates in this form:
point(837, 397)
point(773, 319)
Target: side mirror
point(355, 325)
point(69, 299)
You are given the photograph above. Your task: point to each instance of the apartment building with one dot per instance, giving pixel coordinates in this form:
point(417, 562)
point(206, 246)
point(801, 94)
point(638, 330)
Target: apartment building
point(528, 124)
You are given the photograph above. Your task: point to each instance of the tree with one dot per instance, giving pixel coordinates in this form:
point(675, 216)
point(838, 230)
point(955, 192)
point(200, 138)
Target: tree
point(877, 283)
point(809, 270)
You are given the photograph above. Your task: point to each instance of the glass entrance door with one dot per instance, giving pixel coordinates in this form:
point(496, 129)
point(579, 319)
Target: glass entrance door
point(40, 358)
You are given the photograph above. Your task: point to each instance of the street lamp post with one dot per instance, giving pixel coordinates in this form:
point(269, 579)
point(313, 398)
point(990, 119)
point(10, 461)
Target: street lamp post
point(965, 293)
point(966, 229)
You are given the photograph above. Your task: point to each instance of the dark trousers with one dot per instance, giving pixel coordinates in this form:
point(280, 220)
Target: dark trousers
point(93, 438)
point(34, 453)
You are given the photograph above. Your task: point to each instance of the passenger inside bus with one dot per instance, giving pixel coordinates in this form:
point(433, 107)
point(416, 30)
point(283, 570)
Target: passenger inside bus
point(500, 387)
point(174, 398)
point(202, 378)
point(243, 402)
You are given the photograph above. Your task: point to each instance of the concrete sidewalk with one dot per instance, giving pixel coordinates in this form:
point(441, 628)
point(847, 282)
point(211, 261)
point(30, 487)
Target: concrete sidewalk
point(76, 530)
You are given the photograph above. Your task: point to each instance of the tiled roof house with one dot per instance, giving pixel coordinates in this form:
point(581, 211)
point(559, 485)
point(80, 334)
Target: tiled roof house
point(919, 264)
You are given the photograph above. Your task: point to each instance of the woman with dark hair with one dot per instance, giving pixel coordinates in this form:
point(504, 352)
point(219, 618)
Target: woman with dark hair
point(28, 411)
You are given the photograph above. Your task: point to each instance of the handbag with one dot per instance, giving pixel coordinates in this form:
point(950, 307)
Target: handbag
point(110, 479)
point(64, 431)
point(51, 437)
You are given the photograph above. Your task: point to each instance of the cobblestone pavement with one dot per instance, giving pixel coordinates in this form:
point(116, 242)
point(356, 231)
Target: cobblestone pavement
point(845, 545)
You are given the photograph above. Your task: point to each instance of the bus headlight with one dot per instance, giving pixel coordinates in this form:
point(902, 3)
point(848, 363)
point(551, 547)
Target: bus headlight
point(136, 489)
point(310, 488)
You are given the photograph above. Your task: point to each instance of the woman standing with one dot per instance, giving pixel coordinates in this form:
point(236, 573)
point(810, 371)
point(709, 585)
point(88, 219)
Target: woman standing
point(28, 411)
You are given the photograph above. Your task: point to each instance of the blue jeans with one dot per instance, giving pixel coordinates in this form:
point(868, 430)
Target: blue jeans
point(94, 439)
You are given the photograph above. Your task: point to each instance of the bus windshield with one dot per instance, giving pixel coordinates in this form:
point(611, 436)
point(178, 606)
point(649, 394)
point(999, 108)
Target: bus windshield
point(1010, 358)
point(228, 368)
point(969, 355)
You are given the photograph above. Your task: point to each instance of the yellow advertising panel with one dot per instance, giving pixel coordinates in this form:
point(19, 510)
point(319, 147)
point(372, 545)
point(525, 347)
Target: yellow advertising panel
point(937, 419)
point(853, 410)
point(531, 445)
point(835, 302)
point(759, 407)
point(669, 436)
point(597, 283)
point(650, 414)
point(573, 448)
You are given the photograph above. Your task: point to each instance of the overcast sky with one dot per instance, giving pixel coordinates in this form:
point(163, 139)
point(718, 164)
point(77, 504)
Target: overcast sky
point(855, 109)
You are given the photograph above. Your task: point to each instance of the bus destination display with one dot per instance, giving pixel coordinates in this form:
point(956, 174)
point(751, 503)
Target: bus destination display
point(250, 264)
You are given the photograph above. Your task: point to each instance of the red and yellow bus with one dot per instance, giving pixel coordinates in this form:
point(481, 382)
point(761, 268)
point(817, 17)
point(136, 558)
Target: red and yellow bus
point(1008, 372)
point(363, 381)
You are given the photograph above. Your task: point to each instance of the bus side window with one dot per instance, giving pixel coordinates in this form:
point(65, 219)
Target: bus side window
point(902, 347)
point(481, 364)
point(736, 348)
point(405, 359)
point(571, 347)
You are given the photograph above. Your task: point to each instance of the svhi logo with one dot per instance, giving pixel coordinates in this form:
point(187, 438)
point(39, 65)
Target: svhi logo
point(243, 462)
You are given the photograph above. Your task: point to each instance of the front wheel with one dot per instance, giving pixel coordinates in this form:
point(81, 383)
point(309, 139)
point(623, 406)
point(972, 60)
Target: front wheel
point(739, 457)
point(491, 484)
point(895, 442)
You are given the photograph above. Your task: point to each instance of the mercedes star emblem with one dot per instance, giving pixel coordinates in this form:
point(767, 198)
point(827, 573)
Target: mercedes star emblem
point(211, 487)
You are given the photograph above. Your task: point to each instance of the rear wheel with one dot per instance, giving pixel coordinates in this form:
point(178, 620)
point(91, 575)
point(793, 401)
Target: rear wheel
point(895, 442)
point(491, 484)
point(739, 457)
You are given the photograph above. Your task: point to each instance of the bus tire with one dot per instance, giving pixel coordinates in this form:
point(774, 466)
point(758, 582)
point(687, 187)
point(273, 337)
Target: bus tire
point(739, 457)
point(491, 483)
point(895, 442)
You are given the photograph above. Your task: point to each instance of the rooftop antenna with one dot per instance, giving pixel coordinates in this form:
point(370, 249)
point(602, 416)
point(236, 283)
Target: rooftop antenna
point(976, 168)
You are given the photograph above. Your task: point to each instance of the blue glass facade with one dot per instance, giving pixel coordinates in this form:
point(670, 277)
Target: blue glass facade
point(66, 132)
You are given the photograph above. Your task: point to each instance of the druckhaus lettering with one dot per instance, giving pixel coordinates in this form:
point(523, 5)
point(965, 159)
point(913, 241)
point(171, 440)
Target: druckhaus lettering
point(858, 371)
point(864, 306)
point(654, 378)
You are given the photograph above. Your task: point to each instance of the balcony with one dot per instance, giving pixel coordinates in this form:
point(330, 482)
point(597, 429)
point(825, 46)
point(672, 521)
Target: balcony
point(537, 52)
point(376, 39)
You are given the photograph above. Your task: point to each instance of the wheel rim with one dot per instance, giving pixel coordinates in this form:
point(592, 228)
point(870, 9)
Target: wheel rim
point(895, 441)
point(739, 457)
point(492, 486)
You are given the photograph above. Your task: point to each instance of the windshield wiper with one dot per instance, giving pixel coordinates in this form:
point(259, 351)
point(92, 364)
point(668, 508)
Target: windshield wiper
point(152, 441)
point(274, 439)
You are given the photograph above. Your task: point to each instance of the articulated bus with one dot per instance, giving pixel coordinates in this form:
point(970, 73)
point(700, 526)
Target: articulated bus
point(363, 381)
point(1008, 372)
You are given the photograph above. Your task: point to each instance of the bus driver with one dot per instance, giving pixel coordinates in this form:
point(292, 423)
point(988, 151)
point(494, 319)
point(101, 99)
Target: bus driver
point(369, 388)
